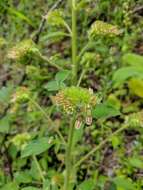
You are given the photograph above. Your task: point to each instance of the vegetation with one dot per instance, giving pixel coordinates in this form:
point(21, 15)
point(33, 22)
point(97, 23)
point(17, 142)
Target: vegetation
point(71, 89)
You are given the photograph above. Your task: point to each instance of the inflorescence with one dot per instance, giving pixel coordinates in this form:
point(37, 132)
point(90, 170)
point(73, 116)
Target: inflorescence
point(21, 50)
point(100, 28)
point(76, 100)
point(135, 119)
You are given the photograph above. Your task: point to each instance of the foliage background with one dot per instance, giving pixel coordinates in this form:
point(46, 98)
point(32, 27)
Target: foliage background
point(119, 165)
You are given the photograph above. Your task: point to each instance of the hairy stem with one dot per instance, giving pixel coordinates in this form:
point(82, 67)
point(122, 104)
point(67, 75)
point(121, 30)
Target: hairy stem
point(68, 158)
point(74, 43)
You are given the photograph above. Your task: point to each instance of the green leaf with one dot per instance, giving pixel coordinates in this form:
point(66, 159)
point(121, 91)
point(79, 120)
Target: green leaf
point(115, 141)
point(36, 147)
point(136, 162)
point(46, 185)
point(10, 186)
point(20, 16)
point(125, 183)
point(5, 93)
point(53, 35)
point(62, 76)
point(105, 111)
point(30, 188)
point(34, 172)
point(86, 185)
point(5, 124)
point(136, 86)
point(133, 59)
point(52, 86)
point(121, 75)
point(23, 177)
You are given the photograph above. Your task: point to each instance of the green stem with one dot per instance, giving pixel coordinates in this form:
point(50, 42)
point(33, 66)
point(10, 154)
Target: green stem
point(68, 28)
point(81, 77)
point(44, 58)
point(48, 119)
point(99, 146)
point(68, 157)
point(82, 74)
point(74, 43)
point(39, 168)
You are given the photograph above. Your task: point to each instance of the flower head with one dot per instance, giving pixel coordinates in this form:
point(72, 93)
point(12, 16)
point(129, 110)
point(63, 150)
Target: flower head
point(100, 28)
point(21, 140)
point(135, 119)
point(73, 99)
point(55, 18)
point(20, 50)
point(22, 94)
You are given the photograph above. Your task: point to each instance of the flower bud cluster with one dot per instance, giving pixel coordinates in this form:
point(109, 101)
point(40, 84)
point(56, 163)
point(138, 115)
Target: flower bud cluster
point(20, 50)
point(135, 119)
point(100, 28)
point(72, 99)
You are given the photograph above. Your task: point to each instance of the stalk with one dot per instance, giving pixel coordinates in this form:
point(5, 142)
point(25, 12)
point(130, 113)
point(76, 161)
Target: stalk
point(74, 43)
point(68, 158)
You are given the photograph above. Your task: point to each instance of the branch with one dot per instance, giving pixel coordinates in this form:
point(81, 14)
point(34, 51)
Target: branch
point(44, 18)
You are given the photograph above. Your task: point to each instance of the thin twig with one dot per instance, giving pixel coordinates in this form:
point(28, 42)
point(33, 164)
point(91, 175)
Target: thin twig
point(44, 18)
point(137, 9)
point(50, 62)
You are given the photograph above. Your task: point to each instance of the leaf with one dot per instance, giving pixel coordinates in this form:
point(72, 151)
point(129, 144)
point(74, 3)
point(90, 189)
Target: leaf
point(10, 186)
point(136, 86)
point(133, 59)
point(36, 147)
point(52, 86)
point(30, 188)
point(114, 101)
point(105, 111)
point(34, 172)
point(115, 141)
point(86, 185)
point(46, 184)
point(5, 124)
point(23, 177)
point(62, 76)
point(53, 35)
point(136, 162)
point(125, 183)
point(20, 16)
point(5, 93)
point(121, 75)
